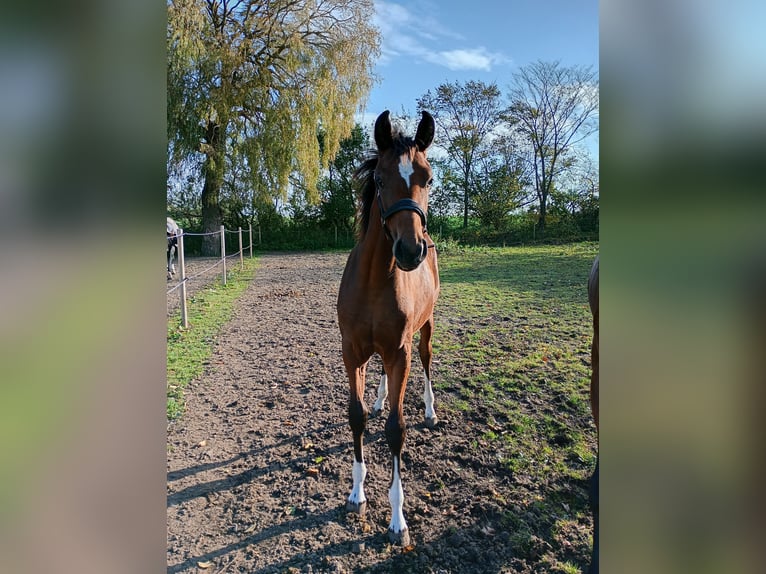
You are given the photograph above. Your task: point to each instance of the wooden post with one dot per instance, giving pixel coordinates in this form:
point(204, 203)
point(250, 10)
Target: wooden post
point(336, 234)
point(182, 265)
point(251, 240)
point(223, 252)
point(259, 234)
point(241, 252)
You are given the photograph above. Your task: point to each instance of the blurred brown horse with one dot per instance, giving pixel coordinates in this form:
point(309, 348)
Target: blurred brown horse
point(388, 291)
point(593, 301)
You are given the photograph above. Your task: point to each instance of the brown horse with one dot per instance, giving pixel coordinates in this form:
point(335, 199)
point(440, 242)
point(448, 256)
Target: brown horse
point(388, 291)
point(593, 301)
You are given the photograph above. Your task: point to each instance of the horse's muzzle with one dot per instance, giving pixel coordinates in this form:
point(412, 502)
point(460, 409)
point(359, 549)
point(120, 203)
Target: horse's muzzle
point(409, 256)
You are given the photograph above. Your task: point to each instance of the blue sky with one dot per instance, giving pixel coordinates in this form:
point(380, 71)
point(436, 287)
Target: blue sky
point(428, 42)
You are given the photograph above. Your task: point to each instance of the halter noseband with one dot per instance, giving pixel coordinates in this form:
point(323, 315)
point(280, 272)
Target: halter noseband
point(401, 205)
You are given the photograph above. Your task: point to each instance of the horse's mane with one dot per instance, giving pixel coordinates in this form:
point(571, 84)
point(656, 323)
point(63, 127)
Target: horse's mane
point(365, 182)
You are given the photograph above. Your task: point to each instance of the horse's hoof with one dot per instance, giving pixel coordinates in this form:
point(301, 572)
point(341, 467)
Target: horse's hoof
point(356, 507)
point(375, 412)
point(399, 538)
point(431, 421)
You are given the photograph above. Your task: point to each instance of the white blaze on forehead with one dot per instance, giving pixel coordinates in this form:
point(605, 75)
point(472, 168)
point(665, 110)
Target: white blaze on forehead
point(406, 169)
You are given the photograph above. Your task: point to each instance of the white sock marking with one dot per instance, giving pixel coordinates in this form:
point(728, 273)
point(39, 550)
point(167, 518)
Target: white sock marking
point(359, 473)
point(382, 393)
point(428, 399)
point(396, 497)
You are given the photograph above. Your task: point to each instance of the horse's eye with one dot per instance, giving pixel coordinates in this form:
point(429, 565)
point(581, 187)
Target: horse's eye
point(430, 182)
point(378, 181)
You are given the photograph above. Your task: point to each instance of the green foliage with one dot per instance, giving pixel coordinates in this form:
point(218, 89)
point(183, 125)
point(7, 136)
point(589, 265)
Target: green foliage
point(498, 192)
point(338, 206)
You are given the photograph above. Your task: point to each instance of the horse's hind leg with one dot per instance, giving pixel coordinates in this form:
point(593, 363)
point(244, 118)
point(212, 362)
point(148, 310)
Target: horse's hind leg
point(398, 368)
point(426, 352)
point(382, 394)
point(171, 257)
point(357, 418)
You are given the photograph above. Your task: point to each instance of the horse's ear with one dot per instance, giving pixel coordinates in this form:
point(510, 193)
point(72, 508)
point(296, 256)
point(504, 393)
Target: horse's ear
point(425, 135)
point(383, 137)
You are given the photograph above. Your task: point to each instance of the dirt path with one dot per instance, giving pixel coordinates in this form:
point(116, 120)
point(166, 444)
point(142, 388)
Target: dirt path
point(259, 466)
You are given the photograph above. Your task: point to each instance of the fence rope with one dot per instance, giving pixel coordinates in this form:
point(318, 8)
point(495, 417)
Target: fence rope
point(234, 231)
point(218, 261)
point(216, 264)
point(190, 277)
point(176, 286)
point(189, 234)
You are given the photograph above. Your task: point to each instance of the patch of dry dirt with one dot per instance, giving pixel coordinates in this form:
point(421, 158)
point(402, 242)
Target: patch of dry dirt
point(259, 466)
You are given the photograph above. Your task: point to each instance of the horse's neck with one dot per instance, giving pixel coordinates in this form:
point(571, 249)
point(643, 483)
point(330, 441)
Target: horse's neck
point(376, 251)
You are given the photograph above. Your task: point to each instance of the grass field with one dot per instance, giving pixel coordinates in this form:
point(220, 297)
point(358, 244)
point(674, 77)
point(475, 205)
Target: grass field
point(514, 331)
point(512, 357)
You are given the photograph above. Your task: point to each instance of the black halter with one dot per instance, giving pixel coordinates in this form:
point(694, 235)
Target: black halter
point(401, 205)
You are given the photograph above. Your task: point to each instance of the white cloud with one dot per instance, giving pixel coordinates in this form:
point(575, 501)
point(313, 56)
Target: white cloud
point(408, 33)
point(473, 59)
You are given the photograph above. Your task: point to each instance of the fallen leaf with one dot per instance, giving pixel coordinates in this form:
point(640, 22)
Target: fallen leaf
point(204, 565)
point(250, 529)
point(312, 471)
point(408, 548)
point(288, 423)
point(202, 443)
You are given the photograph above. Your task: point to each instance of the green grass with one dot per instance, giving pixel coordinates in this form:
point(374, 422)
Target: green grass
point(512, 341)
point(188, 349)
point(513, 323)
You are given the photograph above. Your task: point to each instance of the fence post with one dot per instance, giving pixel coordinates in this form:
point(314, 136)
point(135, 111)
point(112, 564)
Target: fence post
point(223, 252)
point(241, 253)
point(259, 234)
point(182, 265)
point(251, 240)
point(336, 234)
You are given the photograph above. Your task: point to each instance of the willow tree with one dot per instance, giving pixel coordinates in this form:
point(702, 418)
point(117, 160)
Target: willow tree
point(251, 83)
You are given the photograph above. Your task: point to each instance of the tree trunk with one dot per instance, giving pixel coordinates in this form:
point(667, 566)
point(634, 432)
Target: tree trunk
point(466, 195)
point(541, 219)
point(465, 208)
point(212, 218)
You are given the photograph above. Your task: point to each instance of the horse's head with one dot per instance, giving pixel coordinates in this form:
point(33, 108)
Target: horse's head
point(403, 179)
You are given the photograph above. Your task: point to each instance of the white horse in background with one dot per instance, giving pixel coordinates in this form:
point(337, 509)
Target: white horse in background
point(173, 232)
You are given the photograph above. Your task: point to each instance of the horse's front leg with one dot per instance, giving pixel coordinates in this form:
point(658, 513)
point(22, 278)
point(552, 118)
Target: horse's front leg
point(357, 419)
point(398, 369)
point(426, 352)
